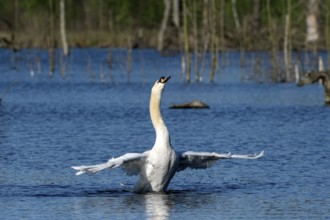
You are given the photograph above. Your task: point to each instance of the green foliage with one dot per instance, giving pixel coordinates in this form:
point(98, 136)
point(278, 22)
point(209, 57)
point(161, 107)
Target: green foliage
point(127, 15)
point(146, 13)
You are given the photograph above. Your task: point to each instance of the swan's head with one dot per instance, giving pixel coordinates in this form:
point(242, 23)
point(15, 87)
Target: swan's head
point(160, 84)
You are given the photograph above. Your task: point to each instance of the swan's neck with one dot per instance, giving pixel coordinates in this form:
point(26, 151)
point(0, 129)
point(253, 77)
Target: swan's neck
point(162, 134)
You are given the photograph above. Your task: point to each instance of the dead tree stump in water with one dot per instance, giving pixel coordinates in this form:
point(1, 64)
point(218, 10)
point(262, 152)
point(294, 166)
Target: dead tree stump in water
point(313, 77)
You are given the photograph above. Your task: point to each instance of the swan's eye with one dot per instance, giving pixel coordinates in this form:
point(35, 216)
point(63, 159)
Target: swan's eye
point(161, 79)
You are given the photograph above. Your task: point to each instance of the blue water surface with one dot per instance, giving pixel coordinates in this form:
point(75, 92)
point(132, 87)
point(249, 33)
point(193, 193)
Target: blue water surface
point(91, 112)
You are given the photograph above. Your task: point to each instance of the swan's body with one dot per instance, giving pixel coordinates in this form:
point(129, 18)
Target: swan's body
point(157, 166)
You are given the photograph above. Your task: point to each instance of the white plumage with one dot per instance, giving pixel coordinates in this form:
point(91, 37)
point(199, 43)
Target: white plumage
point(157, 166)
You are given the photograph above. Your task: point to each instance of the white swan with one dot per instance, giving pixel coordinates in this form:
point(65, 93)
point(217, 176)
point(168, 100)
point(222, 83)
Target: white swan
point(157, 166)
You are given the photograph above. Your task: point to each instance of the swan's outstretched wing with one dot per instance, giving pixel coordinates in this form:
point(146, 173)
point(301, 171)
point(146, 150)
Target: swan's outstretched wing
point(130, 162)
point(202, 160)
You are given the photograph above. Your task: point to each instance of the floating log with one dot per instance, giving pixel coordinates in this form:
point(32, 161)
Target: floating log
point(192, 104)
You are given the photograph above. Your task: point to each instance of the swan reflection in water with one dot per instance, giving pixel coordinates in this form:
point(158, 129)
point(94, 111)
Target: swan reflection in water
point(158, 205)
point(162, 206)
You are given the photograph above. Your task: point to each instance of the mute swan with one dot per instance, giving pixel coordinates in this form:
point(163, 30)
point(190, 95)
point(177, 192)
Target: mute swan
point(157, 166)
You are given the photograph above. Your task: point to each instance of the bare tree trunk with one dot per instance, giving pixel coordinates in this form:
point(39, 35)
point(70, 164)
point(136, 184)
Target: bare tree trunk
point(235, 15)
point(286, 49)
point(213, 40)
point(321, 64)
point(196, 51)
point(327, 31)
point(129, 58)
point(312, 24)
point(186, 39)
point(222, 30)
point(163, 25)
point(52, 39)
point(271, 27)
point(176, 13)
point(244, 40)
point(238, 31)
point(216, 37)
point(254, 32)
point(256, 19)
point(296, 73)
point(206, 33)
point(312, 21)
point(287, 44)
point(62, 28)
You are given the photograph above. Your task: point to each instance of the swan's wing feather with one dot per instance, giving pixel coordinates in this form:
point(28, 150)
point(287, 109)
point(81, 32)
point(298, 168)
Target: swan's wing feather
point(203, 160)
point(130, 162)
point(133, 167)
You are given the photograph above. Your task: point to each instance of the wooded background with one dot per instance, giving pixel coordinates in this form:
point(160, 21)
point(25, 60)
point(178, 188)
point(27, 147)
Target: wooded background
point(190, 26)
point(253, 24)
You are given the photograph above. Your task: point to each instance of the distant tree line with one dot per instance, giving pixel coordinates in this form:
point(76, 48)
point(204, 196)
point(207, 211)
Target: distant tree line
point(238, 23)
point(192, 26)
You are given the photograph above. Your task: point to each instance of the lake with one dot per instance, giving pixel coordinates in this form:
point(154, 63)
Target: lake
point(95, 112)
